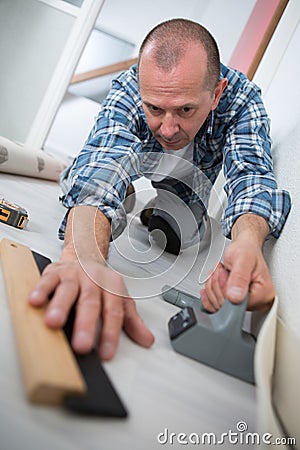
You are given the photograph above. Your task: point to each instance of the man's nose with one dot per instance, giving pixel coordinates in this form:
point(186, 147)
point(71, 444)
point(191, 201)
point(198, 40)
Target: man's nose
point(169, 126)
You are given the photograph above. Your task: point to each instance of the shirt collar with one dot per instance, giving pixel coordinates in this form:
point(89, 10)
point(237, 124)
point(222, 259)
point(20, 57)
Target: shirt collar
point(210, 123)
point(207, 127)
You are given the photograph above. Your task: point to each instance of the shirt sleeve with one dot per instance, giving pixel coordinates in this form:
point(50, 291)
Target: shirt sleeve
point(250, 182)
point(109, 160)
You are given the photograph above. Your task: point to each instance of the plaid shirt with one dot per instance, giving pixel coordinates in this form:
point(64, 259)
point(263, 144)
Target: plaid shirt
point(235, 136)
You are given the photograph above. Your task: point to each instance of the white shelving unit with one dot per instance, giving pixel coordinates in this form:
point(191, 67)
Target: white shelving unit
point(41, 42)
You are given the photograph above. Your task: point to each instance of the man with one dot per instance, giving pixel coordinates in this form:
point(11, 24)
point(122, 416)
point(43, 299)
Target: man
point(177, 100)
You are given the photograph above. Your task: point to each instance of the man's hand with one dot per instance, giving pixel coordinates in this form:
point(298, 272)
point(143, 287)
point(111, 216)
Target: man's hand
point(99, 292)
point(82, 276)
point(244, 269)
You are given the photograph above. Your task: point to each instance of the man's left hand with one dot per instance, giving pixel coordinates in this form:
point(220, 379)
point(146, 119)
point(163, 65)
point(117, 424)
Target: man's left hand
point(244, 271)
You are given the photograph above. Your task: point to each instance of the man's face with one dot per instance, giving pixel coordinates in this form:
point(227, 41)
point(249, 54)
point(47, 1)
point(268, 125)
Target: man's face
point(175, 102)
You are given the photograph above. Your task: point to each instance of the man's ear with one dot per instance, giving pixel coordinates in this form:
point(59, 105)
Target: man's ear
point(218, 92)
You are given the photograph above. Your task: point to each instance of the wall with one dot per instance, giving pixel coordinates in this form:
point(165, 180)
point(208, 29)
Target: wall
point(225, 20)
point(32, 36)
point(282, 95)
point(102, 49)
point(123, 23)
point(278, 76)
point(132, 19)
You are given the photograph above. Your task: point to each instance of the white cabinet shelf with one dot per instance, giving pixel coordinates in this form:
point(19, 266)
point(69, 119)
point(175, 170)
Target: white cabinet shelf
point(62, 5)
point(40, 44)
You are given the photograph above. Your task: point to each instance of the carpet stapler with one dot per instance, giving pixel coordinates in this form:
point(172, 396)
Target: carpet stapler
point(215, 339)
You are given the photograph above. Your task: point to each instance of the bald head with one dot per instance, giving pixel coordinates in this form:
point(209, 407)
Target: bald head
point(169, 41)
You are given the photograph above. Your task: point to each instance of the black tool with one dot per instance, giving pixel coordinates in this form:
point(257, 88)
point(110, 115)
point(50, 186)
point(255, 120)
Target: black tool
point(101, 398)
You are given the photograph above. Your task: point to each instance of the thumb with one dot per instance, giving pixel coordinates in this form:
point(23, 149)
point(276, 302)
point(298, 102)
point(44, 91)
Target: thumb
point(239, 279)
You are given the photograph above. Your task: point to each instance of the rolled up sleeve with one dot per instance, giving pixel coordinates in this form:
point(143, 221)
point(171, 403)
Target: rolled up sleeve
point(248, 168)
point(108, 162)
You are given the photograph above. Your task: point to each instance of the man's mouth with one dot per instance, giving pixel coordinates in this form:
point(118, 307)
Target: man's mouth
point(170, 142)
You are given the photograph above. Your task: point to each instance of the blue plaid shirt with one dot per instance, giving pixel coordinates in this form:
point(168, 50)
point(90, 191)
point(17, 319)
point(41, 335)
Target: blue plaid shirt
point(235, 136)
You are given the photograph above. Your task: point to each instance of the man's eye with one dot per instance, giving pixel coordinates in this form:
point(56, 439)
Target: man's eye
point(153, 108)
point(186, 111)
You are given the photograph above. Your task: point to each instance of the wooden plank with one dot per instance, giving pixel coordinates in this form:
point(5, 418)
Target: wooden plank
point(48, 365)
point(101, 71)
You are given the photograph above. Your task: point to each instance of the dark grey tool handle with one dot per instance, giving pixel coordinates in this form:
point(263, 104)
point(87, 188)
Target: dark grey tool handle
point(215, 339)
point(230, 316)
point(233, 315)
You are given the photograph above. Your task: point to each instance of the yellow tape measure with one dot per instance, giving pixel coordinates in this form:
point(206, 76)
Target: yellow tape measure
point(12, 214)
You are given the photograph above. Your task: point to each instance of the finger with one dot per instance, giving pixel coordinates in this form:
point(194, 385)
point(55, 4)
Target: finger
point(65, 295)
point(88, 311)
point(239, 278)
point(214, 299)
point(111, 325)
point(134, 326)
point(207, 297)
point(223, 279)
point(211, 294)
point(206, 303)
point(216, 286)
point(261, 293)
point(44, 288)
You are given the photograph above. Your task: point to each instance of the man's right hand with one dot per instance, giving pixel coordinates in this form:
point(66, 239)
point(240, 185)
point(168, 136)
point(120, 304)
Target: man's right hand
point(99, 292)
point(82, 276)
